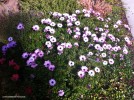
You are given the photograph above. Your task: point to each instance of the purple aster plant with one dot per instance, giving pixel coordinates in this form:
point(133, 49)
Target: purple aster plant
point(61, 93)
point(52, 82)
point(51, 67)
point(13, 43)
point(4, 48)
point(34, 55)
point(20, 26)
point(25, 55)
point(34, 65)
point(10, 39)
point(37, 51)
point(41, 54)
point(47, 63)
point(29, 63)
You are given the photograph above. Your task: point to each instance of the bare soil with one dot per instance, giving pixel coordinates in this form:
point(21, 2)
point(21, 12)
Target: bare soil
point(8, 6)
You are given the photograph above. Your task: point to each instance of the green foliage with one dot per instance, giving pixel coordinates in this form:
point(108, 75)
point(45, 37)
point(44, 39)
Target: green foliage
point(111, 82)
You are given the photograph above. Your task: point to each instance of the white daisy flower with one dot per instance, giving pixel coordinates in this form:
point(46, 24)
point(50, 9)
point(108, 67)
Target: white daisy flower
point(111, 61)
point(115, 49)
point(76, 36)
point(53, 40)
point(77, 23)
point(52, 24)
point(101, 29)
point(93, 35)
point(84, 11)
point(85, 39)
point(87, 15)
point(95, 39)
point(108, 46)
point(71, 63)
point(103, 34)
point(91, 72)
point(47, 28)
point(115, 26)
point(59, 25)
point(119, 22)
point(63, 44)
point(52, 31)
point(103, 55)
point(106, 26)
point(101, 39)
point(77, 11)
point(82, 58)
point(36, 27)
point(97, 46)
point(73, 19)
point(43, 21)
point(48, 43)
point(60, 48)
point(90, 54)
point(62, 18)
point(88, 33)
point(125, 51)
point(59, 14)
point(68, 45)
point(105, 62)
point(74, 15)
point(101, 49)
point(127, 39)
point(97, 69)
point(77, 29)
point(84, 35)
point(104, 46)
point(86, 28)
point(55, 14)
point(65, 15)
point(76, 44)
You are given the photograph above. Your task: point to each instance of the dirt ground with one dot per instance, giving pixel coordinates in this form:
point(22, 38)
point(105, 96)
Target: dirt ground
point(8, 6)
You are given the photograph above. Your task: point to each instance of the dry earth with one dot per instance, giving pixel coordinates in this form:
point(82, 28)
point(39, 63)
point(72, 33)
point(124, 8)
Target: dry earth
point(8, 6)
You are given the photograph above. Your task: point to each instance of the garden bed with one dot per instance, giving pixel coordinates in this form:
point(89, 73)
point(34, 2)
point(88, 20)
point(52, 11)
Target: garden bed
point(57, 57)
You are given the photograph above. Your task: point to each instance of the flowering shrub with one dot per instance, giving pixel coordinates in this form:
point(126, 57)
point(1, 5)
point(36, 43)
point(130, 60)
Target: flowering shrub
point(77, 56)
point(82, 59)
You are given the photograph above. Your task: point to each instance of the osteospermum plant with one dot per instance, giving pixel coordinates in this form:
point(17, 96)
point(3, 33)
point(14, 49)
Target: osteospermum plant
point(82, 54)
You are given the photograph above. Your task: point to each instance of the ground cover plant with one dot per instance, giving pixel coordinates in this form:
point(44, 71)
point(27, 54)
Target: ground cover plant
point(69, 56)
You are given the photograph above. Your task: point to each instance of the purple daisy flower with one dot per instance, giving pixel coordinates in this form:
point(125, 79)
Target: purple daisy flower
point(29, 63)
point(34, 65)
point(47, 63)
point(37, 51)
point(31, 59)
point(52, 82)
point(4, 48)
point(60, 93)
point(34, 56)
point(25, 55)
point(10, 39)
point(9, 45)
point(41, 54)
point(51, 67)
point(20, 26)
